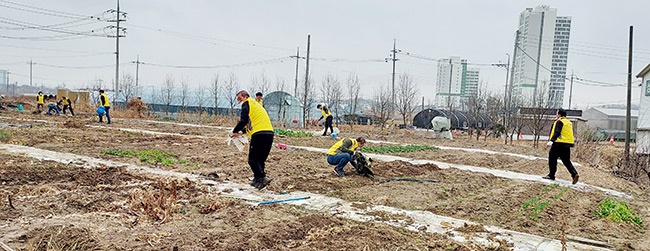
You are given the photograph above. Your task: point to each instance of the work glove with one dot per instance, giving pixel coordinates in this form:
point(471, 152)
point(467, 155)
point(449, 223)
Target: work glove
point(550, 143)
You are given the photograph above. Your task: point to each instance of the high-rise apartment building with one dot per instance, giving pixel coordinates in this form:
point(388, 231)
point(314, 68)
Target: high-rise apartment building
point(455, 83)
point(541, 57)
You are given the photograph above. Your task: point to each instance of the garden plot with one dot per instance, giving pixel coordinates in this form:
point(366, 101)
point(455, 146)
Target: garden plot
point(63, 207)
point(495, 201)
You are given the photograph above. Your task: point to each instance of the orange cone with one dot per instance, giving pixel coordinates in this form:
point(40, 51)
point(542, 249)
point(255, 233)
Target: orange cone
point(611, 140)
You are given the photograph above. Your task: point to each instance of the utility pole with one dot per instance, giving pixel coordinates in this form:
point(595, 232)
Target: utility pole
point(31, 63)
point(451, 72)
point(297, 56)
point(118, 30)
point(305, 101)
point(137, 69)
point(393, 58)
point(512, 81)
point(628, 113)
point(8, 82)
point(571, 90)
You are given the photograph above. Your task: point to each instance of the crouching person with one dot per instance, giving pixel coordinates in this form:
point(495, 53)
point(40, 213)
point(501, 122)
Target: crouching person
point(341, 153)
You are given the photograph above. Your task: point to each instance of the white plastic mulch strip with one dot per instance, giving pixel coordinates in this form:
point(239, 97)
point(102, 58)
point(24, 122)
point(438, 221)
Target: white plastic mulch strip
point(495, 172)
point(414, 220)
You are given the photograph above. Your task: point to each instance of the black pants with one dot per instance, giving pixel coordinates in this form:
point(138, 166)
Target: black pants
point(258, 151)
point(564, 153)
point(328, 124)
point(65, 107)
point(108, 115)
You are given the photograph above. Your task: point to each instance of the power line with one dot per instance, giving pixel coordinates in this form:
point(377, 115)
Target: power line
point(39, 27)
point(264, 62)
point(44, 11)
point(47, 49)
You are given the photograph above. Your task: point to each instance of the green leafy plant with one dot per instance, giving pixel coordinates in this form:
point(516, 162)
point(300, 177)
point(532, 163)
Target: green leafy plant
point(3, 134)
point(290, 133)
point(540, 202)
point(617, 211)
point(151, 156)
point(398, 149)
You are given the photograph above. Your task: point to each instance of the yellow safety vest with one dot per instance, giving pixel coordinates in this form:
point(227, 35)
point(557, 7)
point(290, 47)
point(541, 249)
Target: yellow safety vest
point(258, 119)
point(566, 135)
point(325, 114)
point(334, 150)
point(40, 100)
point(65, 101)
point(106, 103)
point(260, 102)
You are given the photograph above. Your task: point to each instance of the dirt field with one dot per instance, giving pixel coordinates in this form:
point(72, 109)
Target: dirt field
point(65, 207)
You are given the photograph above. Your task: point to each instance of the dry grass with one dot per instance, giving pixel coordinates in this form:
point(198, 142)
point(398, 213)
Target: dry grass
point(155, 203)
point(61, 238)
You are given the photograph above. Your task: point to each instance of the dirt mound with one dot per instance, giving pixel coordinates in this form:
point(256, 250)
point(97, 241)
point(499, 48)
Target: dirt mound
point(72, 123)
point(60, 237)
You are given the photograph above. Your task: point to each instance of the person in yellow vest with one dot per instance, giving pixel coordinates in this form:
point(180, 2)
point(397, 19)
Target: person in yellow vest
point(341, 153)
point(103, 101)
point(40, 101)
point(256, 123)
point(327, 115)
point(561, 140)
point(67, 104)
point(52, 106)
point(258, 98)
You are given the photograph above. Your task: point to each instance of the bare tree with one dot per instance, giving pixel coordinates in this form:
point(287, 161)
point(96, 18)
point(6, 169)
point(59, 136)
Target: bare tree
point(281, 85)
point(539, 117)
point(354, 87)
point(128, 89)
point(493, 110)
point(215, 93)
point(167, 93)
point(306, 94)
point(337, 95)
point(230, 89)
point(199, 97)
point(475, 106)
point(406, 94)
point(184, 96)
point(382, 104)
point(326, 89)
point(260, 84)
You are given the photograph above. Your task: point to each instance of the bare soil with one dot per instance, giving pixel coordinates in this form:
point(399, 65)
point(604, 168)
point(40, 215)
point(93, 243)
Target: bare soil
point(102, 205)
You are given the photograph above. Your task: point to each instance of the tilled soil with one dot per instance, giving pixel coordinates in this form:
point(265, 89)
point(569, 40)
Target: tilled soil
point(481, 198)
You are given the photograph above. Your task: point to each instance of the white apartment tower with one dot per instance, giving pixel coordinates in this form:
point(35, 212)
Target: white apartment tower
point(541, 57)
point(455, 83)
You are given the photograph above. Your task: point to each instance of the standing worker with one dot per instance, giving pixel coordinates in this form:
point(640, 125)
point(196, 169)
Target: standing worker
point(561, 140)
point(40, 101)
point(341, 153)
point(258, 98)
point(67, 104)
point(103, 101)
point(327, 115)
point(256, 123)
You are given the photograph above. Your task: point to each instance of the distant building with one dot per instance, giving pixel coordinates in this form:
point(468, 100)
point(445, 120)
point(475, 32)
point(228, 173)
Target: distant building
point(456, 83)
point(643, 123)
point(609, 119)
point(541, 60)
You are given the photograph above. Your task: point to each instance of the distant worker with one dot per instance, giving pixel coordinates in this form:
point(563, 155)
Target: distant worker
point(103, 101)
point(256, 123)
point(40, 101)
point(258, 98)
point(67, 104)
point(561, 140)
point(52, 106)
point(341, 153)
point(327, 115)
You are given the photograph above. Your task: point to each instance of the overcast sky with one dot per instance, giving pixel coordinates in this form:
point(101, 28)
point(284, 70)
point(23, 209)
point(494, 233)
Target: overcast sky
point(346, 36)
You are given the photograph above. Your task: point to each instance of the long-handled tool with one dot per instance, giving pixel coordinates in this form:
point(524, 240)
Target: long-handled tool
point(283, 200)
point(416, 180)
